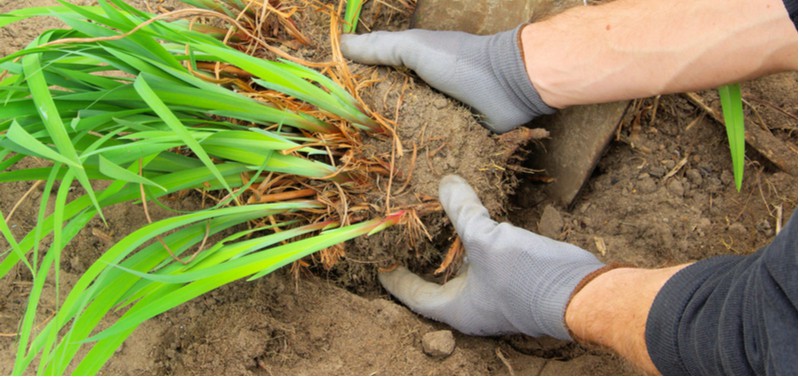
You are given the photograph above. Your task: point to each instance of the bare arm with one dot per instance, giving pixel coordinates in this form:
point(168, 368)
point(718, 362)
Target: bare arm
point(633, 48)
point(611, 311)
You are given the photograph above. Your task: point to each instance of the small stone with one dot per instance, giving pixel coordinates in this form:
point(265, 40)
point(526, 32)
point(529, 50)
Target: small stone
point(438, 343)
point(737, 228)
point(676, 187)
point(713, 186)
point(658, 171)
point(551, 223)
point(726, 177)
point(440, 103)
point(703, 222)
point(668, 164)
point(764, 227)
point(646, 185)
point(694, 177)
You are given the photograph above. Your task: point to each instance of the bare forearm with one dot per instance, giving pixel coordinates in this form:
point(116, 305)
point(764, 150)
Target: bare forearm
point(611, 311)
point(635, 48)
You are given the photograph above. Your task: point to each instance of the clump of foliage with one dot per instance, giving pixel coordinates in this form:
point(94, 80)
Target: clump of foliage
point(154, 106)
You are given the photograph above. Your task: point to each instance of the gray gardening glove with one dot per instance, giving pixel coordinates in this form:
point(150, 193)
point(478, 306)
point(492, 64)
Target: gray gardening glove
point(485, 72)
point(515, 282)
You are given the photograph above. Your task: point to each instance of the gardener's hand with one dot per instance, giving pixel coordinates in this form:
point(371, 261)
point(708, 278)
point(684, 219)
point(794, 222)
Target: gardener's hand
point(485, 72)
point(515, 282)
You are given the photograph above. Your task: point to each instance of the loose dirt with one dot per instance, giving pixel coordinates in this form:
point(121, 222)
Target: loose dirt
point(662, 194)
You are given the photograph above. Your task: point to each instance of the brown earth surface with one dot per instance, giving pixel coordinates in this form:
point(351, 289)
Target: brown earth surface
point(662, 194)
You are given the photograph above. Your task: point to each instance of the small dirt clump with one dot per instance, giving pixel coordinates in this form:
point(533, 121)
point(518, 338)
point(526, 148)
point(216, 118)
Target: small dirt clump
point(438, 343)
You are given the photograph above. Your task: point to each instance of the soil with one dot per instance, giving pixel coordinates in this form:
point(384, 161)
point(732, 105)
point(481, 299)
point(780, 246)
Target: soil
point(662, 194)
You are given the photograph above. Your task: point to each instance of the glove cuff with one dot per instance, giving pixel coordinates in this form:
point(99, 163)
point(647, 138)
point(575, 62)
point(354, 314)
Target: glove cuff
point(546, 275)
point(547, 305)
point(508, 62)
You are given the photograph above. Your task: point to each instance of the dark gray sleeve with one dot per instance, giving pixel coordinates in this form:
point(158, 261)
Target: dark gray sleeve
point(791, 8)
point(730, 315)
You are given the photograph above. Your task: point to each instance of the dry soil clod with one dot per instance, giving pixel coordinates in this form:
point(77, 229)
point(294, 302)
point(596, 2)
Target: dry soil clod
point(438, 343)
point(551, 223)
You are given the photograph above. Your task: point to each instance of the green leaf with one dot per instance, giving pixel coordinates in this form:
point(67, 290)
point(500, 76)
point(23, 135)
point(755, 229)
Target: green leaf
point(175, 124)
point(6, 231)
point(731, 99)
point(40, 276)
point(121, 174)
point(21, 14)
point(25, 140)
point(49, 114)
point(351, 13)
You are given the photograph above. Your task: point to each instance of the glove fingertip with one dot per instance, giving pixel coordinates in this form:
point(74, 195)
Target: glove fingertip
point(391, 280)
point(463, 206)
point(347, 43)
point(450, 180)
point(379, 47)
point(453, 185)
point(423, 297)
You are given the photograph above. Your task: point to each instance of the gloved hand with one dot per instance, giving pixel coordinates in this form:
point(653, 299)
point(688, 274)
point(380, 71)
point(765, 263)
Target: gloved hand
point(515, 281)
point(485, 72)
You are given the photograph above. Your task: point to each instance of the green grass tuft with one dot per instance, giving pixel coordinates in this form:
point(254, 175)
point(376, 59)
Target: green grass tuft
point(118, 97)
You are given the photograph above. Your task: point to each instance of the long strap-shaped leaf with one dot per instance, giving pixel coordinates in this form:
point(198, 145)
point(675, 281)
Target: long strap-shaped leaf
point(41, 273)
point(52, 121)
point(730, 97)
point(351, 13)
